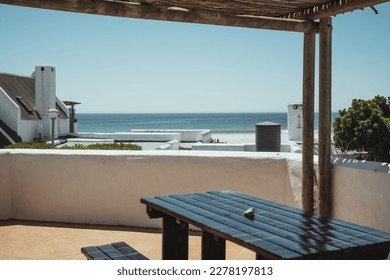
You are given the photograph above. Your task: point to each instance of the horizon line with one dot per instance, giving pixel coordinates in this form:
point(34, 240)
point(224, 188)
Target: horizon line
point(280, 112)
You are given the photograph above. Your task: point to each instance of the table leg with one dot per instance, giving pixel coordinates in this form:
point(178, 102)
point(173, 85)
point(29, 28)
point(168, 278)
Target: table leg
point(175, 239)
point(213, 247)
point(260, 257)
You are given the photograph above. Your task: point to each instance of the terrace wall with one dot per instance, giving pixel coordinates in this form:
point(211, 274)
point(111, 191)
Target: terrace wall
point(105, 187)
point(100, 187)
point(361, 192)
point(5, 188)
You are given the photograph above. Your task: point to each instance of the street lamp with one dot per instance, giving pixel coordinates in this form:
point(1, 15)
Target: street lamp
point(53, 113)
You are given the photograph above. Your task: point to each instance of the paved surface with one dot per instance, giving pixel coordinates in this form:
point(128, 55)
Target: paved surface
point(23, 240)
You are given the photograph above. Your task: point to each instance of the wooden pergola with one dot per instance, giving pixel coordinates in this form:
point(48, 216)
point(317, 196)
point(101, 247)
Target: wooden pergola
point(311, 17)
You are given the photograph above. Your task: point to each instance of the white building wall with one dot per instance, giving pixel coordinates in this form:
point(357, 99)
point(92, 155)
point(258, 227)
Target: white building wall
point(11, 115)
point(9, 110)
point(28, 130)
point(62, 124)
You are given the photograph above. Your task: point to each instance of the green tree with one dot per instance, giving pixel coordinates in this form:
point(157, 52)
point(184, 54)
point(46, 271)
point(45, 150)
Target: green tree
point(365, 127)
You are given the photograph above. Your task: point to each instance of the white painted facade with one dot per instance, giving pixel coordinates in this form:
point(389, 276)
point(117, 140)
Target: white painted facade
point(10, 114)
point(9, 110)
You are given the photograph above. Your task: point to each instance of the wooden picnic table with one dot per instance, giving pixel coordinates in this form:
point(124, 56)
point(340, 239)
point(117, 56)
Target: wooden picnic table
point(275, 231)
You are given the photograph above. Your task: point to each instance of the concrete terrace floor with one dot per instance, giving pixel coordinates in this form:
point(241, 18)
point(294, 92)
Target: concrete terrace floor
point(26, 240)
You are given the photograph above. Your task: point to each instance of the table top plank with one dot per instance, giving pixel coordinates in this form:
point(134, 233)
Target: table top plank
point(361, 235)
point(256, 230)
point(278, 225)
point(276, 231)
point(304, 235)
point(358, 229)
point(261, 226)
point(324, 227)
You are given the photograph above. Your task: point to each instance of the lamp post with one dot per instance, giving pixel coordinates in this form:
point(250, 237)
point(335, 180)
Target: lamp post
point(53, 113)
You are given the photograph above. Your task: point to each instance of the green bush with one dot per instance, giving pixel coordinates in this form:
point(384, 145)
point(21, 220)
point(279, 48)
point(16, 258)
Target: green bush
point(30, 145)
point(365, 128)
point(99, 146)
point(104, 146)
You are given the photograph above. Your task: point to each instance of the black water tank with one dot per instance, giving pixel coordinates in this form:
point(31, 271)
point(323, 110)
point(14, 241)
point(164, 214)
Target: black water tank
point(268, 137)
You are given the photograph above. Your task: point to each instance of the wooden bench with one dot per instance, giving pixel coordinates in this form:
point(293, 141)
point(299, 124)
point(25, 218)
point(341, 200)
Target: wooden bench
point(113, 251)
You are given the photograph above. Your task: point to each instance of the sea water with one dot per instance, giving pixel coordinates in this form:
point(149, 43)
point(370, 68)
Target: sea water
point(217, 122)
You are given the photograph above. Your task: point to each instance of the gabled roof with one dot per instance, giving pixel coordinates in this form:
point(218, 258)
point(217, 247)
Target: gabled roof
point(21, 89)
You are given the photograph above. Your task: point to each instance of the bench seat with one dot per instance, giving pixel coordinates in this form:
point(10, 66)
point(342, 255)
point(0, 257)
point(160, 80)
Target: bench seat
point(113, 251)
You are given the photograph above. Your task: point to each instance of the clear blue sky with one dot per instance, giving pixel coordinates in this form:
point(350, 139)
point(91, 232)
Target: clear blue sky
point(126, 65)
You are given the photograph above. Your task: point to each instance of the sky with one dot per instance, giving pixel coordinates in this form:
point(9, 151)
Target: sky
point(122, 65)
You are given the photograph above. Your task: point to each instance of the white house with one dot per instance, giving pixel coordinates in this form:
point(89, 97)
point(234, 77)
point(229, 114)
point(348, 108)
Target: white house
point(24, 105)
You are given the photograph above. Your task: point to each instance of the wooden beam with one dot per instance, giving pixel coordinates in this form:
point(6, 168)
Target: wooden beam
point(333, 8)
point(141, 11)
point(324, 150)
point(308, 122)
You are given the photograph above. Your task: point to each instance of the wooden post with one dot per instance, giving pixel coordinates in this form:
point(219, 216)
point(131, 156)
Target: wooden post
point(308, 121)
point(325, 104)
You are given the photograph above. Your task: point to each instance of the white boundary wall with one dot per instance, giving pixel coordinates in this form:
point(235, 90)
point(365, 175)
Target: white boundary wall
point(361, 192)
point(105, 187)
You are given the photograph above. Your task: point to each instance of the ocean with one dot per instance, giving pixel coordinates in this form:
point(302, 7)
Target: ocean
point(217, 122)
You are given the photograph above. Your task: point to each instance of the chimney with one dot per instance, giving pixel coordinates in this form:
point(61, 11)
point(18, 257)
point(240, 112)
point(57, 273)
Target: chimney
point(45, 96)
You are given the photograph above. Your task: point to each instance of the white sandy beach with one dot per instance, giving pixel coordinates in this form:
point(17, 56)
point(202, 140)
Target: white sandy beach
point(234, 138)
point(239, 138)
